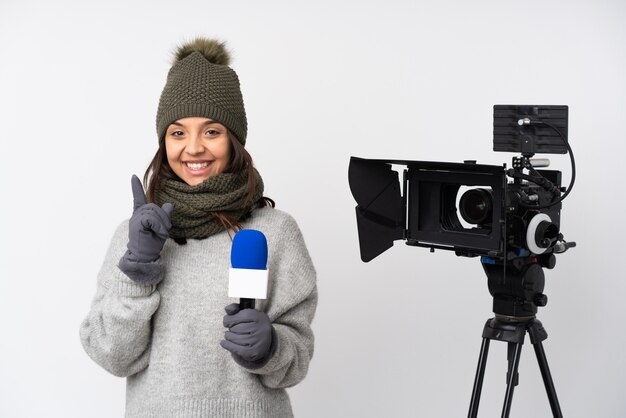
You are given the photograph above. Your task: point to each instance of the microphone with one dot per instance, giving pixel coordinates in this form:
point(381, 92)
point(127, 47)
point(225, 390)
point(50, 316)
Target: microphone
point(247, 279)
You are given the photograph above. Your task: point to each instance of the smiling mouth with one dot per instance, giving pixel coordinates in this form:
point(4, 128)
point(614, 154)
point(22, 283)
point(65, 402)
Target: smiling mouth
point(198, 166)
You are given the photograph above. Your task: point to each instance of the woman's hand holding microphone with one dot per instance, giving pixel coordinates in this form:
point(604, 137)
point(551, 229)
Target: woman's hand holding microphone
point(147, 232)
point(251, 337)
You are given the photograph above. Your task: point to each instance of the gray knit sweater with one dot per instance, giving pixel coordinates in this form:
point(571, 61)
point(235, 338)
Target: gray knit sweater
point(165, 338)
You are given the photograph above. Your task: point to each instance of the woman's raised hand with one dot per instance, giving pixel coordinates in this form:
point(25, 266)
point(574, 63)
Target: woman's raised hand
point(148, 226)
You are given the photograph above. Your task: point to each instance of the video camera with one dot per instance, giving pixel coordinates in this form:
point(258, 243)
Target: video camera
point(516, 222)
point(511, 219)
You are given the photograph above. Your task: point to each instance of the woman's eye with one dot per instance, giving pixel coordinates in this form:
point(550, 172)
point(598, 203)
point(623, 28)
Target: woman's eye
point(213, 132)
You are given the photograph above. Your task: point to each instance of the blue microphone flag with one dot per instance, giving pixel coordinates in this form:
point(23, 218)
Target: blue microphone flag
point(249, 250)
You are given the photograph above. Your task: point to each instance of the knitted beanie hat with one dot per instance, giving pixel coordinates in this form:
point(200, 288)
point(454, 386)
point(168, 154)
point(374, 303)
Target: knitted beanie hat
point(200, 83)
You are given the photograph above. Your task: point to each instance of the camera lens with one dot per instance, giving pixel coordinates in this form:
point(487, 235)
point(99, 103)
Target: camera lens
point(476, 206)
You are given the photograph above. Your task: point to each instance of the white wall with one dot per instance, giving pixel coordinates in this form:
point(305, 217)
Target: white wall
point(322, 81)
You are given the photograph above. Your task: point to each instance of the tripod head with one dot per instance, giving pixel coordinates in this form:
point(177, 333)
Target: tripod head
point(517, 283)
point(517, 289)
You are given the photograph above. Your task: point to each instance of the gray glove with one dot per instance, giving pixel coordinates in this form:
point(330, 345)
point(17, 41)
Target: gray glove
point(251, 338)
point(147, 232)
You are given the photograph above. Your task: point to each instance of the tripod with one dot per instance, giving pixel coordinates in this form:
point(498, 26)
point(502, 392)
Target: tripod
point(516, 291)
point(513, 331)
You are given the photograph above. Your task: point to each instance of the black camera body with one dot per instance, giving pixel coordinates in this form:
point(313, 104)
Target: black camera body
point(429, 210)
point(495, 220)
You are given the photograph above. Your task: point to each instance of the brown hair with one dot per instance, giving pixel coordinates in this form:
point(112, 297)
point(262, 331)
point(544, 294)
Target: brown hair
point(239, 161)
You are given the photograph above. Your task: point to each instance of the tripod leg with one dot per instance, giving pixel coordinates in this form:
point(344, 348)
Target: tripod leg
point(509, 357)
point(510, 385)
point(547, 380)
point(478, 381)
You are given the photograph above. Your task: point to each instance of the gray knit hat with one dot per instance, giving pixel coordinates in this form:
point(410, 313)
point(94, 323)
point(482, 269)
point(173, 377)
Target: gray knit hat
point(200, 83)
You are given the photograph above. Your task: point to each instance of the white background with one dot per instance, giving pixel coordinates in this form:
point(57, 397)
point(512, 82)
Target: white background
point(322, 81)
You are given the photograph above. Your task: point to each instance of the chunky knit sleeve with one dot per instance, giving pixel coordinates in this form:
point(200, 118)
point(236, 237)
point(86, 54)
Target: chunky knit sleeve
point(116, 333)
point(291, 305)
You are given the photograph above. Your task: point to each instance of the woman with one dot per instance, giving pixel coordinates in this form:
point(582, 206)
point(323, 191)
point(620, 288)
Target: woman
point(158, 313)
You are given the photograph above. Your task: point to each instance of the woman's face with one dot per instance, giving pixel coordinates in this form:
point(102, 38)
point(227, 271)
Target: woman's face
point(199, 140)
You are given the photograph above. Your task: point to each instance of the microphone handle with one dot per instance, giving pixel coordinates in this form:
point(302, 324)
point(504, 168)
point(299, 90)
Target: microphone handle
point(246, 303)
